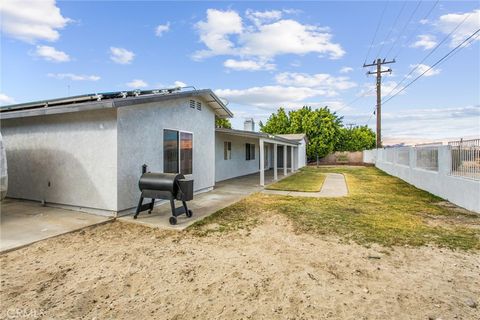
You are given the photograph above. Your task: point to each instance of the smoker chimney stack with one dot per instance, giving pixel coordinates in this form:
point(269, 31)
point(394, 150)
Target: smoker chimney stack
point(249, 125)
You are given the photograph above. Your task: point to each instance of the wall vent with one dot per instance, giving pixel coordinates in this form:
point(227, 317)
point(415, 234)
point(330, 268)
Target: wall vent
point(192, 104)
point(199, 105)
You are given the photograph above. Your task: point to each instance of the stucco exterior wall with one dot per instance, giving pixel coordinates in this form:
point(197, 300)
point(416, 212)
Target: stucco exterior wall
point(237, 166)
point(302, 154)
point(140, 140)
point(67, 159)
point(461, 191)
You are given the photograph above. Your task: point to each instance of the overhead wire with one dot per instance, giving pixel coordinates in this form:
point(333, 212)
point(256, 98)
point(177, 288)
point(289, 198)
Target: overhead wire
point(406, 25)
point(412, 32)
point(430, 53)
point(391, 29)
point(376, 31)
point(451, 52)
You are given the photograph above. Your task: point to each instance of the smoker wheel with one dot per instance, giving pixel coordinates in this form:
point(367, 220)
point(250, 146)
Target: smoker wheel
point(173, 220)
point(189, 213)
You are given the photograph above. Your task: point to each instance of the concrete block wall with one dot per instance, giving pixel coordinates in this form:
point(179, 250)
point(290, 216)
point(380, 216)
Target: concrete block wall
point(463, 192)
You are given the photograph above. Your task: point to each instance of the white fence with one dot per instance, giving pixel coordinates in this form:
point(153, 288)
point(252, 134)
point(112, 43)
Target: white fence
point(466, 158)
point(450, 172)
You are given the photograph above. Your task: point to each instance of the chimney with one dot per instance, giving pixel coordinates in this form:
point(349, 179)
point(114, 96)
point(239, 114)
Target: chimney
point(249, 125)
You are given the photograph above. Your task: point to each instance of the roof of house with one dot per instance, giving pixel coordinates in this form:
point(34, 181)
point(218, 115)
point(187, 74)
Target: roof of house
point(257, 135)
point(293, 136)
point(111, 100)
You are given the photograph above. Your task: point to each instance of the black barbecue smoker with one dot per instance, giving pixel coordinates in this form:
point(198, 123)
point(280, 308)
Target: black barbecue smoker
point(166, 186)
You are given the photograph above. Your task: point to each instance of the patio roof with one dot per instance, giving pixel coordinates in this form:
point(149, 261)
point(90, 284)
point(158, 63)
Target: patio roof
point(258, 135)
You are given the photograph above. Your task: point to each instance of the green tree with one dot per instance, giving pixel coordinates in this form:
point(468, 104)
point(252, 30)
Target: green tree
point(355, 139)
point(222, 123)
point(277, 123)
point(321, 127)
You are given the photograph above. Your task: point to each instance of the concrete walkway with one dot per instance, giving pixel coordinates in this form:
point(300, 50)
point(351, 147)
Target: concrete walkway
point(333, 186)
point(224, 194)
point(26, 222)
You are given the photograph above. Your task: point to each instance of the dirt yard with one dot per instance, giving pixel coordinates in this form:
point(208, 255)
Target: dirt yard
point(126, 271)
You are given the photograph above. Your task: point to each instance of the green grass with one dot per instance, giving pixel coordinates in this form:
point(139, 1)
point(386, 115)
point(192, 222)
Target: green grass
point(379, 209)
point(306, 180)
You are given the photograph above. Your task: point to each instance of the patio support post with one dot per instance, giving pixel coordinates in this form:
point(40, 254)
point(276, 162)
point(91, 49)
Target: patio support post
point(284, 160)
point(262, 164)
point(292, 162)
point(275, 175)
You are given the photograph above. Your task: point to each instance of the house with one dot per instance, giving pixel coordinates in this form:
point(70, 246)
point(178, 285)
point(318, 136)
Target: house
point(86, 152)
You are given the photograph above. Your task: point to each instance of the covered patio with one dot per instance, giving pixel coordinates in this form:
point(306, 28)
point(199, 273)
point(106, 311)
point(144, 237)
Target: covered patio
point(277, 155)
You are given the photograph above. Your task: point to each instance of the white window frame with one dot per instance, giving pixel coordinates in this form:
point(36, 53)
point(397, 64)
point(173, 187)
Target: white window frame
point(179, 148)
point(227, 153)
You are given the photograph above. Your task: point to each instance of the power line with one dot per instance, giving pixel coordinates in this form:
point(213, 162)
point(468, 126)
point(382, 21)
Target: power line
point(379, 63)
point(364, 94)
point(391, 29)
point(430, 53)
point(405, 26)
point(459, 47)
point(376, 31)
point(413, 32)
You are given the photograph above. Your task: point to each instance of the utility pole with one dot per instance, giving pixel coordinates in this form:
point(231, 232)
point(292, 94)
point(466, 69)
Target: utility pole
point(378, 111)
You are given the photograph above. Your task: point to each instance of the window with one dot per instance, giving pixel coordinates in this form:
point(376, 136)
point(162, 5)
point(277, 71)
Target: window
point(170, 151)
point(249, 151)
point(227, 150)
point(177, 152)
point(186, 148)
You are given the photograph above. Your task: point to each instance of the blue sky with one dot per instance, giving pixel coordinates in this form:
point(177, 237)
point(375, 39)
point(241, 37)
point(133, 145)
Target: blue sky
point(256, 55)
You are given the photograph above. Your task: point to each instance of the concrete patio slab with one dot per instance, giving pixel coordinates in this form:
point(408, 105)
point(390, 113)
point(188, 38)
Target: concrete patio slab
point(225, 193)
point(333, 186)
point(26, 222)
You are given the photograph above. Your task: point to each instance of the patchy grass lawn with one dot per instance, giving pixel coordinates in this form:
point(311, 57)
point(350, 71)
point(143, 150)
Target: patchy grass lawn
point(379, 209)
point(308, 179)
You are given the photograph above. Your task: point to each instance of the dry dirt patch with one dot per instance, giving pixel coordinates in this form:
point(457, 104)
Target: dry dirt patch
point(125, 271)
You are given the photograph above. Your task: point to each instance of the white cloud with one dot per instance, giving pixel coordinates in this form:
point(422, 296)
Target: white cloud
point(137, 84)
point(425, 42)
point(263, 40)
point(448, 22)
point(248, 65)
point(269, 96)
point(433, 123)
point(179, 84)
point(389, 88)
point(425, 123)
point(421, 68)
point(74, 77)
point(32, 20)
point(346, 69)
point(51, 54)
point(161, 29)
point(215, 30)
point(4, 99)
point(319, 80)
point(288, 37)
point(261, 17)
point(121, 55)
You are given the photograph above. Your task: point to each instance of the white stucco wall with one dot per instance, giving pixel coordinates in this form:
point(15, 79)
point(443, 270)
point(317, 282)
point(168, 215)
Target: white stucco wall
point(461, 191)
point(67, 159)
point(140, 140)
point(237, 166)
point(302, 154)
